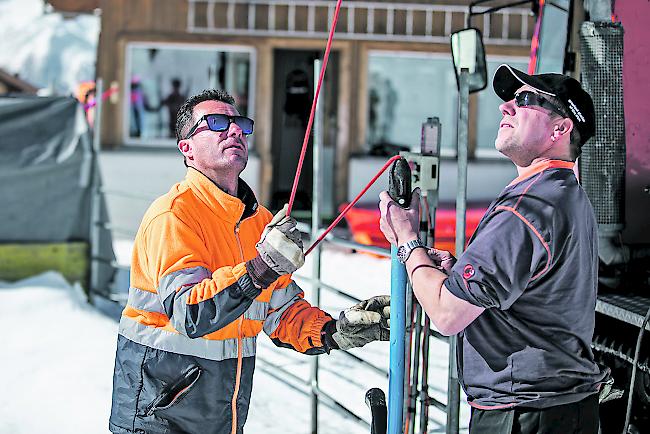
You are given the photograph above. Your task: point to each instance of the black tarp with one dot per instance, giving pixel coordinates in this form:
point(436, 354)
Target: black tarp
point(46, 172)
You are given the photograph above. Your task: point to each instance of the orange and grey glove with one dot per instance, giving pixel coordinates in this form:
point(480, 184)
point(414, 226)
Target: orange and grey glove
point(364, 322)
point(279, 251)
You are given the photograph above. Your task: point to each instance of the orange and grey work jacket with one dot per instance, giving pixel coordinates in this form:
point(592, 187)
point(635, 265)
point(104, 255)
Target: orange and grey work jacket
point(187, 337)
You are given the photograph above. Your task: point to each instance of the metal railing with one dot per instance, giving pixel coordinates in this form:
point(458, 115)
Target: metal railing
point(318, 284)
point(359, 20)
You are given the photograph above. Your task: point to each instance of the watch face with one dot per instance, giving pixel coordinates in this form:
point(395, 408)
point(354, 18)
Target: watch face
point(401, 254)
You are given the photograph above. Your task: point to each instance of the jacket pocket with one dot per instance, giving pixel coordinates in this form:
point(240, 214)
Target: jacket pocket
point(174, 391)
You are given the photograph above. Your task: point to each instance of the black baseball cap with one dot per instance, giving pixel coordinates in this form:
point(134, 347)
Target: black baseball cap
point(577, 103)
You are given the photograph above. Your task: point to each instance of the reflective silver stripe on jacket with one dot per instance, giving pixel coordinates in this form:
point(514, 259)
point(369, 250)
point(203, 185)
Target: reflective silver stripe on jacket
point(179, 284)
point(176, 282)
point(149, 301)
point(161, 339)
point(257, 311)
point(144, 300)
point(281, 299)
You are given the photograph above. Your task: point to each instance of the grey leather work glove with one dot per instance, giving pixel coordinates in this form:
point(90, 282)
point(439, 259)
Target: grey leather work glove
point(279, 250)
point(364, 322)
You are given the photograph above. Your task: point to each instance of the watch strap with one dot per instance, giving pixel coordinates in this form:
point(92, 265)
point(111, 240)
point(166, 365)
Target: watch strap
point(404, 251)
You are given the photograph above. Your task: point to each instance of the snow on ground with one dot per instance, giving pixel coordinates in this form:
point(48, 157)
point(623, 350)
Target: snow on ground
point(57, 359)
point(58, 355)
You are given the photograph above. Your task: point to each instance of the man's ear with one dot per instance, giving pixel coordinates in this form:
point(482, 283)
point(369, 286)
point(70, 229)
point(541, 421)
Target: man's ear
point(564, 127)
point(185, 146)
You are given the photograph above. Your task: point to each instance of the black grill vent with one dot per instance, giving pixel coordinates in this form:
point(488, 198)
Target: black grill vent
point(602, 165)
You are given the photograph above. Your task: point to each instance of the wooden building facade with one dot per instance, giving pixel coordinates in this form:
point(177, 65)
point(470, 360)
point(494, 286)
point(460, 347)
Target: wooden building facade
point(390, 69)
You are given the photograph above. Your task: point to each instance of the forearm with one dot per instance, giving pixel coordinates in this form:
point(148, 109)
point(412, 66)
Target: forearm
point(427, 282)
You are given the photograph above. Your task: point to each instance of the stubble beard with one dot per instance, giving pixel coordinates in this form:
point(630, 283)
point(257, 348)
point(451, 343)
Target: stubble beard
point(513, 150)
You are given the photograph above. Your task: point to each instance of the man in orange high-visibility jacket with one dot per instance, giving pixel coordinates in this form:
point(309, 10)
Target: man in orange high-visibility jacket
point(210, 270)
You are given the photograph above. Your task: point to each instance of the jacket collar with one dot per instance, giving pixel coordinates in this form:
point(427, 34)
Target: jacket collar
point(540, 166)
point(230, 208)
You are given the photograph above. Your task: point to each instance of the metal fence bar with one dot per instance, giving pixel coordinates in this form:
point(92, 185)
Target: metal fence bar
point(270, 23)
point(191, 18)
point(350, 19)
point(409, 22)
point(358, 247)
point(291, 17)
point(251, 16)
point(315, 224)
point(390, 20)
point(95, 195)
point(230, 14)
point(210, 15)
point(448, 17)
point(524, 27)
point(311, 18)
point(327, 398)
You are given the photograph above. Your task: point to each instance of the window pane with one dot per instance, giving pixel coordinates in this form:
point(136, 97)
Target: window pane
point(553, 38)
point(163, 77)
point(489, 115)
point(403, 90)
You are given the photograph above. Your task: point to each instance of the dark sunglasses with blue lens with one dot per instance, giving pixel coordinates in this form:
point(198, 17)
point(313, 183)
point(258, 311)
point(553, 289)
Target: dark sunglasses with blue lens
point(221, 122)
point(527, 98)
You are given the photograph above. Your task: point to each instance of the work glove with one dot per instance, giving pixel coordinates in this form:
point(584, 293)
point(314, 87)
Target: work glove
point(442, 259)
point(279, 251)
point(364, 322)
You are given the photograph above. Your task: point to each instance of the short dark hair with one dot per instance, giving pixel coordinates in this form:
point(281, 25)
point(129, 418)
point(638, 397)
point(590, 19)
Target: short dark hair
point(575, 145)
point(184, 120)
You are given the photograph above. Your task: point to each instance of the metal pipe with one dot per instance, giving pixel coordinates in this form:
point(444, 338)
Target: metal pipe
point(415, 372)
point(359, 247)
point(453, 391)
point(425, 400)
point(315, 225)
point(329, 288)
point(327, 399)
point(408, 333)
point(95, 198)
point(397, 327)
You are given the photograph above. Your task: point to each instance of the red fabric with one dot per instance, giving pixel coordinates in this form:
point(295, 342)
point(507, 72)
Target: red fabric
point(364, 225)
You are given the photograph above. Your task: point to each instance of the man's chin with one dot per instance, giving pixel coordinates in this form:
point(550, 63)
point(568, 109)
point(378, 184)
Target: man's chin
point(237, 161)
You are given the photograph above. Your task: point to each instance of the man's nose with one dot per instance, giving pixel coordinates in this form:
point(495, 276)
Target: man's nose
point(234, 130)
point(508, 108)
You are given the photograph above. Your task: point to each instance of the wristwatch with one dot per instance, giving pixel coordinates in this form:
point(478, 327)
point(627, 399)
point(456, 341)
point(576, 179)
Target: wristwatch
point(404, 251)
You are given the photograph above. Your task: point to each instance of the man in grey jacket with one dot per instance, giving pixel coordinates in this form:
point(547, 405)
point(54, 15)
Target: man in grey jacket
point(523, 294)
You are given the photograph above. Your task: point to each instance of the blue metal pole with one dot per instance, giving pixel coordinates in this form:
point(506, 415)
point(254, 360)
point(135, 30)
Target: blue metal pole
point(397, 330)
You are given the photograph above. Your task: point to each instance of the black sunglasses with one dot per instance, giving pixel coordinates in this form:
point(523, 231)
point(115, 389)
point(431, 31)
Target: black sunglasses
point(221, 122)
point(527, 98)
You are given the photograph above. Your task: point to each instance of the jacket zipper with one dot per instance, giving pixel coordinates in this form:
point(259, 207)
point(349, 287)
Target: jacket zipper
point(233, 429)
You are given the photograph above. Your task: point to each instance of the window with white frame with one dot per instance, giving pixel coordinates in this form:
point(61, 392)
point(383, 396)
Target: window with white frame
point(404, 89)
point(162, 76)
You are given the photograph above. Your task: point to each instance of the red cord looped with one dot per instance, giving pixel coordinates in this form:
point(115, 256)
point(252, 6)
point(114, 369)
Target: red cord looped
point(347, 208)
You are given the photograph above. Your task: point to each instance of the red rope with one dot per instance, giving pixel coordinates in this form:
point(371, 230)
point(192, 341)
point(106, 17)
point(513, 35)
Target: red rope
point(305, 141)
point(347, 208)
